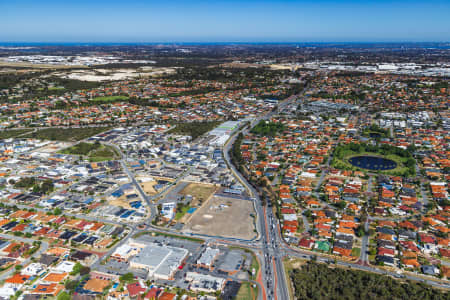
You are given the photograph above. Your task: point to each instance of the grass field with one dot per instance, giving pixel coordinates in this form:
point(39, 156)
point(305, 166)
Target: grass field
point(66, 134)
point(247, 292)
point(81, 149)
point(356, 252)
point(103, 153)
point(95, 152)
point(109, 99)
point(6, 134)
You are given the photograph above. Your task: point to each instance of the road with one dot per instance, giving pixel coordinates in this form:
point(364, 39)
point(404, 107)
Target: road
point(364, 256)
point(267, 226)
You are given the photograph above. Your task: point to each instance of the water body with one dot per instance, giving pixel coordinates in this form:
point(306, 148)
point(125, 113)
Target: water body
point(372, 162)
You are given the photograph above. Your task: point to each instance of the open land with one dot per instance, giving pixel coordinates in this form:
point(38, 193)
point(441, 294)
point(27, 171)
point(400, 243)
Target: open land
point(223, 217)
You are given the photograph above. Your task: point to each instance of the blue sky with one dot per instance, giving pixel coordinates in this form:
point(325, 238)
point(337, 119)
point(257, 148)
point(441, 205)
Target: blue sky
point(223, 21)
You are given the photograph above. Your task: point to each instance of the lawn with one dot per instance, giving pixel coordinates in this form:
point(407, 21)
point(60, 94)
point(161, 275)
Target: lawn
point(254, 265)
point(247, 291)
point(345, 164)
point(95, 152)
point(403, 158)
point(356, 252)
point(110, 99)
point(183, 211)
point(6, 134)
point(66, 134)
point(264, 128)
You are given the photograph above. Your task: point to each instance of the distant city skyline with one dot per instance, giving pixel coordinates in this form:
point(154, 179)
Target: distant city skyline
point(293, 21)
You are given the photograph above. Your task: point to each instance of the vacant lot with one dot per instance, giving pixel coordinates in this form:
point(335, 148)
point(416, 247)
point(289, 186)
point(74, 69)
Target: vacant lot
point(6, 134)
point(121, 201)
point(109, 99)
point(103, 153)
point(199, 192)
point(225, 217)
point(247, 292)
point(81, 149)
point(66, 134)
point(54, 147)
point(194, 129)
point(94, 151)
point(149, 187)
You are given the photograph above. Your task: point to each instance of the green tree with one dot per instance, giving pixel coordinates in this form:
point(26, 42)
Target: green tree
point(76, 269)
point(71, 285)
point(63, 296)
point(127, 277)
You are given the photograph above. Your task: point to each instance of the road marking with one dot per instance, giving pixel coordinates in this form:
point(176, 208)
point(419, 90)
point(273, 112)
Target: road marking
point(276, 279)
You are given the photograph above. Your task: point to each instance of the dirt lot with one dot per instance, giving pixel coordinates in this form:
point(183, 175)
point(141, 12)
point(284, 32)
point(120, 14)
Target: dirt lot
point(199, 192)
point(226, 217)
point(148, 187)
point(121, 201)
point(54, 147)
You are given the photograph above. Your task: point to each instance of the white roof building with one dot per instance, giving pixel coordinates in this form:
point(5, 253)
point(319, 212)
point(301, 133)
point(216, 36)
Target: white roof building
point(33, 269)
point(161, 262)
point(208, 256)
point(65, 267)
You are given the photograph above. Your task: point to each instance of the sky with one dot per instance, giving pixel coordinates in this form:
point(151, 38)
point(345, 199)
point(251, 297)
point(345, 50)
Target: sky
point(224, 21)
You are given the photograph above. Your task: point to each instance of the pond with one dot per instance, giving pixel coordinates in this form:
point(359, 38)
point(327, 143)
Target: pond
point(372, 162)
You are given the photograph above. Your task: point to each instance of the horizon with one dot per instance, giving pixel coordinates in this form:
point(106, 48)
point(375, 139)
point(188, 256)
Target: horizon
point(248, 21)
point(198, 43)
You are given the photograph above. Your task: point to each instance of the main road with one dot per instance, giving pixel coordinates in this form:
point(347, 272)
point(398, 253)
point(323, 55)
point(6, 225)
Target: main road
point(272, 267)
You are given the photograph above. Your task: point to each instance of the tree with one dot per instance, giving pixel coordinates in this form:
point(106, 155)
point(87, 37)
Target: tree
point(76, 269)
point(360, 230)
point(63, 296)
point(340, 204)
point(127, 277)
point(85, 270)
point(71, 285)
point(318, 281)
point(47, 186)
